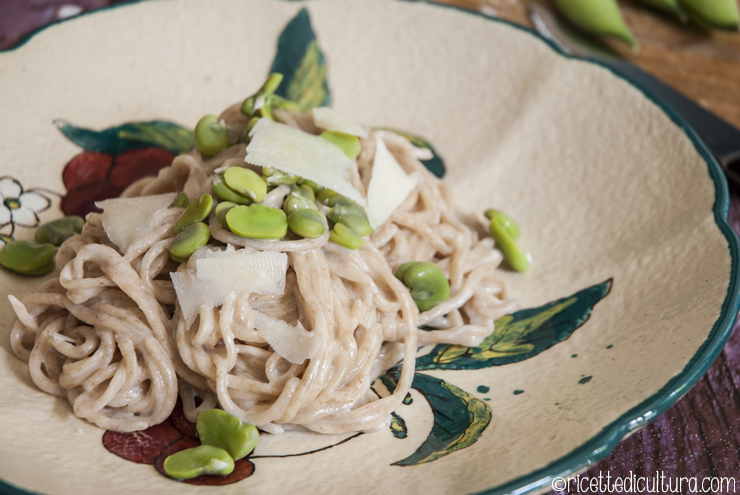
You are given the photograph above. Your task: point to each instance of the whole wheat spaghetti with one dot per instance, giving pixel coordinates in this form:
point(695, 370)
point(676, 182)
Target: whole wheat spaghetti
point(109, 334)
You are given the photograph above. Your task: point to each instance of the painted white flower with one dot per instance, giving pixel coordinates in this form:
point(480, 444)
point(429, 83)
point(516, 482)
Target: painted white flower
point(19, 207)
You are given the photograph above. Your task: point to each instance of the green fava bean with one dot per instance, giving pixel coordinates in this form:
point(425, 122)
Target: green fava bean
point(252, 122)
point(28, 257)
point(426, 283)
point(246, 182)
point(311, 184)
point(721, 14)
point(197, 211)
point(221, 210)
point(180, 201)
point(204, 459)
point(307, 223)
point(276, 177)
point(348, 143)
point(506, 222)
point(325, 193)
point(299, 198)
point(189, 240)
point(58, 231)
point(260, 101)
point(507, 244)
point(265, 110)
point(245, 138)
point(247, 107)
point(344, 210)
point(277, 101)
point(257, 221)
point(599, 17)
point(344, 236)
point(225, 193)
point(220, 429)
point(272, 83)
point(210, 135)
point(303, 191)
point(293, 203)
point(401, 270)
point(264, 97)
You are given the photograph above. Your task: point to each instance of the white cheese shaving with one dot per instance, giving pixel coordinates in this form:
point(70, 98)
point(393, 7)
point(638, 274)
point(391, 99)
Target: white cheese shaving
point(128, 219)
point(262, 272)
point(194, 295)
point(389, 185)
point(296, 152)
point(330, 120)
point(293, 343)
point(221, 273)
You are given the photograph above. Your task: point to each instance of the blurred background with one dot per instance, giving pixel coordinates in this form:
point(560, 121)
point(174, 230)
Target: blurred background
point(700, 435)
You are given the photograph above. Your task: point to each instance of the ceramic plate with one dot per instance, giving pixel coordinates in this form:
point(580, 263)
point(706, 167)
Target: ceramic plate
point(630, 297)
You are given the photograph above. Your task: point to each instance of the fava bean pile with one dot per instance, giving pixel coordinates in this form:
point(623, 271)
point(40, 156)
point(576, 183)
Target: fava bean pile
point(343, 299)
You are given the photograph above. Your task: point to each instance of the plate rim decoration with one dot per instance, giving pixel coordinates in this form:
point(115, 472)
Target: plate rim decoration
point(602, 443)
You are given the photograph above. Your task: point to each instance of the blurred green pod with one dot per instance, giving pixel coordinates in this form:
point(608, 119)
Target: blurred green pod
point(599, 17)
point(720, 14)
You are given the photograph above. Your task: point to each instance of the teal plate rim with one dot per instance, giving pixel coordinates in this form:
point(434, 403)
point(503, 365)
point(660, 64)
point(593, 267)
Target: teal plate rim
point(601, 444)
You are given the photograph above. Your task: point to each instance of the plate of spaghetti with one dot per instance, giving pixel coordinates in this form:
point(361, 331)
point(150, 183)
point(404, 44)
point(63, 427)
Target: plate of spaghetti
point(253, 239)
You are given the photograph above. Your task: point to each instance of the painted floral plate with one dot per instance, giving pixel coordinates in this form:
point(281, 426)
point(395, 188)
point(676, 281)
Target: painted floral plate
point(631, 294)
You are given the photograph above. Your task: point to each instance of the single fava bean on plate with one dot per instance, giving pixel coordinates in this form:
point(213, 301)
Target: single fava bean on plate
point(59, 230)
point(220, 429)
point(28, 257)
point(426, 283)
point(506, 232)
point(204, 459)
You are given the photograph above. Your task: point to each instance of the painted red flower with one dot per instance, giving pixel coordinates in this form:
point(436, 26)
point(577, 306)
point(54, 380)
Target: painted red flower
point(116, 158)
point(156, 443)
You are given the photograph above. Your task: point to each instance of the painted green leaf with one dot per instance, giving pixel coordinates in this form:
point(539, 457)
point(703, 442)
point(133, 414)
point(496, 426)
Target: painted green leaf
point(116, 140)
point(398, 426)
point(435, 164)
point(300, 61)
point(459, 418)
point(521, 335)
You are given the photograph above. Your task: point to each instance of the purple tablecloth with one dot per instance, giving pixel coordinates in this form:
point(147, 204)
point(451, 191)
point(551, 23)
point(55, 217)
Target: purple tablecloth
point(698, 437)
